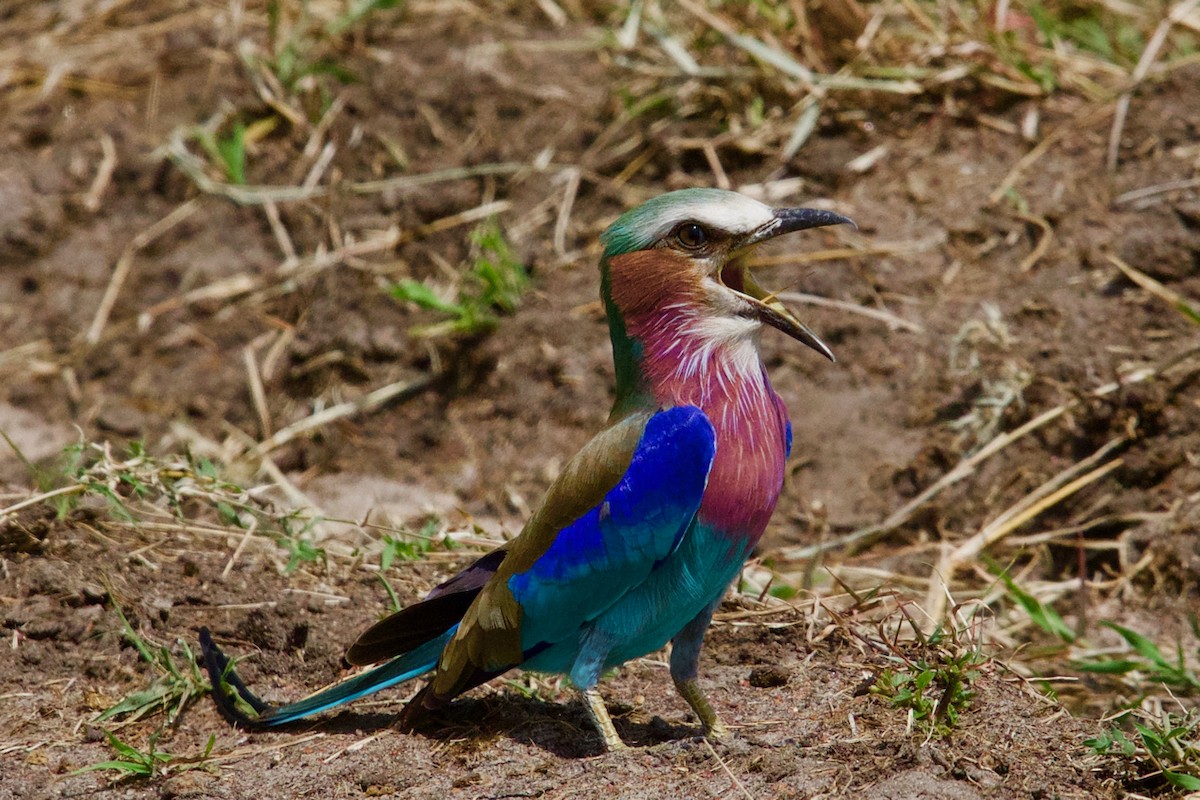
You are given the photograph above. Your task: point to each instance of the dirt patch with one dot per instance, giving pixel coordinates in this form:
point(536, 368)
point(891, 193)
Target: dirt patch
point(994, 322)
point(810, 729)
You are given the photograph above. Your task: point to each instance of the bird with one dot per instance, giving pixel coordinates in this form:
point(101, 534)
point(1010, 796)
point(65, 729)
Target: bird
point(638, 538)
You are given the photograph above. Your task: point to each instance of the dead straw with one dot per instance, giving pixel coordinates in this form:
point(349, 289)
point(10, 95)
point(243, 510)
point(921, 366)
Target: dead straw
point(864, 537)
point(1167, 295)
point(125, 264)
point(1047, 495)
point(890, 319)
point(104, 173)
point(1147, 59)
point(369, 402)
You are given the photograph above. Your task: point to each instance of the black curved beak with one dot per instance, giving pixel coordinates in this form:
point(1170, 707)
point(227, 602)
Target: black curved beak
point(764, 306)
point(789, 220)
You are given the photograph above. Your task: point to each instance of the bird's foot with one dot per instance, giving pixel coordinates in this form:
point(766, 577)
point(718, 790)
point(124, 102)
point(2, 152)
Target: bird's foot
point(714, 728)
point(717, 729)
point(603, 722)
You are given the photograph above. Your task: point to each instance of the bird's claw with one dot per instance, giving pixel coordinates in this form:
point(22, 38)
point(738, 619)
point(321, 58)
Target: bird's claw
point(716, 729)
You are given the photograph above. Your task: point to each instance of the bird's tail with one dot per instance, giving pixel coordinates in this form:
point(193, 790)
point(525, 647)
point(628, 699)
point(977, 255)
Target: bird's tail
point(228, 689)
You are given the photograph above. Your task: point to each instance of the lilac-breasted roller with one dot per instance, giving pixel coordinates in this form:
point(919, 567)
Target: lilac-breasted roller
point(640, 535)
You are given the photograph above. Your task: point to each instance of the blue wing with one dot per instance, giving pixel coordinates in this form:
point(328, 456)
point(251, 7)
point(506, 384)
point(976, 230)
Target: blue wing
point(565, 569)
point(614, 546)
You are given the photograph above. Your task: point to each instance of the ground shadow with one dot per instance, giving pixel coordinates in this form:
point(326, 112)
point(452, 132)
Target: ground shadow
point(560, 728)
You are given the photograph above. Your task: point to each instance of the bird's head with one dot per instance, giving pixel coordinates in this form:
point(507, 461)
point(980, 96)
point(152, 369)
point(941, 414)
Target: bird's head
point(688, 250)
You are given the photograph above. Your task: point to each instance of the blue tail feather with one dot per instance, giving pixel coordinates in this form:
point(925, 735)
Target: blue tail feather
point(406, 667)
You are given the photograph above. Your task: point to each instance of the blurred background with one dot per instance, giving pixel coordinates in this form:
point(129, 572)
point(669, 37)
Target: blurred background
point(299, 310)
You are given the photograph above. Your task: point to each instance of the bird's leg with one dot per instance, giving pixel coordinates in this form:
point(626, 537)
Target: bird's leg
point(585, 674)
point(603, 722)
point(685, 665)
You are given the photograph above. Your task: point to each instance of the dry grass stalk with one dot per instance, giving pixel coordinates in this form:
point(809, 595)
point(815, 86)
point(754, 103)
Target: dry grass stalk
point(125, 264)
point(1167, 295)
point(1043, 244)
point(258, 394)
point(490, 209)
point(281, 235)
point(1027, 508)
point(1147, 59)
point(195, 169)
point(104, 173)
point(368, 402)
point(402, 182)
point(863, 537)
point(886, 317)
point(741, 787)
point(41, 498)
point(1138, 197)
point(563, 221)
point(251, 529)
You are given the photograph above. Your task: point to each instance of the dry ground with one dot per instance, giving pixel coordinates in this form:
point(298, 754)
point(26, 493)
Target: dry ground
point(140, 303)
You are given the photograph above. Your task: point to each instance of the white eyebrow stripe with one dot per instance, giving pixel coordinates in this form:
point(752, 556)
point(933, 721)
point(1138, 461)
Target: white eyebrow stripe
point(735, 214)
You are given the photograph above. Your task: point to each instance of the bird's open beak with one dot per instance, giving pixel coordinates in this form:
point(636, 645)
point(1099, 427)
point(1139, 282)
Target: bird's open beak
point(763, 305)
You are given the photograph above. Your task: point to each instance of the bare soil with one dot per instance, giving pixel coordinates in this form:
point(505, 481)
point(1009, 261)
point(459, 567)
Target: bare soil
point(478, 447)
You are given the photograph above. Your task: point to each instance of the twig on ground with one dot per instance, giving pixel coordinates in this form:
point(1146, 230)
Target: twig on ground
point(1031, 505)
point(887, 317)
point(125, 264)
point(104, 173)
point(1149, 55)
point(366, 403)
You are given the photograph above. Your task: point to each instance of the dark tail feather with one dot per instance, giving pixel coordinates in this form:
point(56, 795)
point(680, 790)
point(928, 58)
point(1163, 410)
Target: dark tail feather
point(421, 622)
point(409, 628)
point(220, 675)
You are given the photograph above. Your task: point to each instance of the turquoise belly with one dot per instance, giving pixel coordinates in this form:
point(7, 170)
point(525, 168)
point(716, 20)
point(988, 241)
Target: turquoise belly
point(648, 616)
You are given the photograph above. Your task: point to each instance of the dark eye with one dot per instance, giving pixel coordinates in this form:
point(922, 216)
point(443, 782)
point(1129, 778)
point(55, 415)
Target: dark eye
point(691, 235)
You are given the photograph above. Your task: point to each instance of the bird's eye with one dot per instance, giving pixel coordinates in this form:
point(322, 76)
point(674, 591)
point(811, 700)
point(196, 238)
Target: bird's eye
point(691, 235)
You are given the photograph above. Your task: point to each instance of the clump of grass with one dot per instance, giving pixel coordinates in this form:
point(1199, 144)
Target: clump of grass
point(1163, 746)
point(934, 687)
point(134, 488)
point(95, 470)
point(1147, 663)
point(301, 550)
point(1041, 614)
point(179, 682)
point(132, 763)
point(172, 691)
point(1145, 668)
point(769, 71)
point(302, 51)
point(490, 287)
point(413, 545)
point(296, 73)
